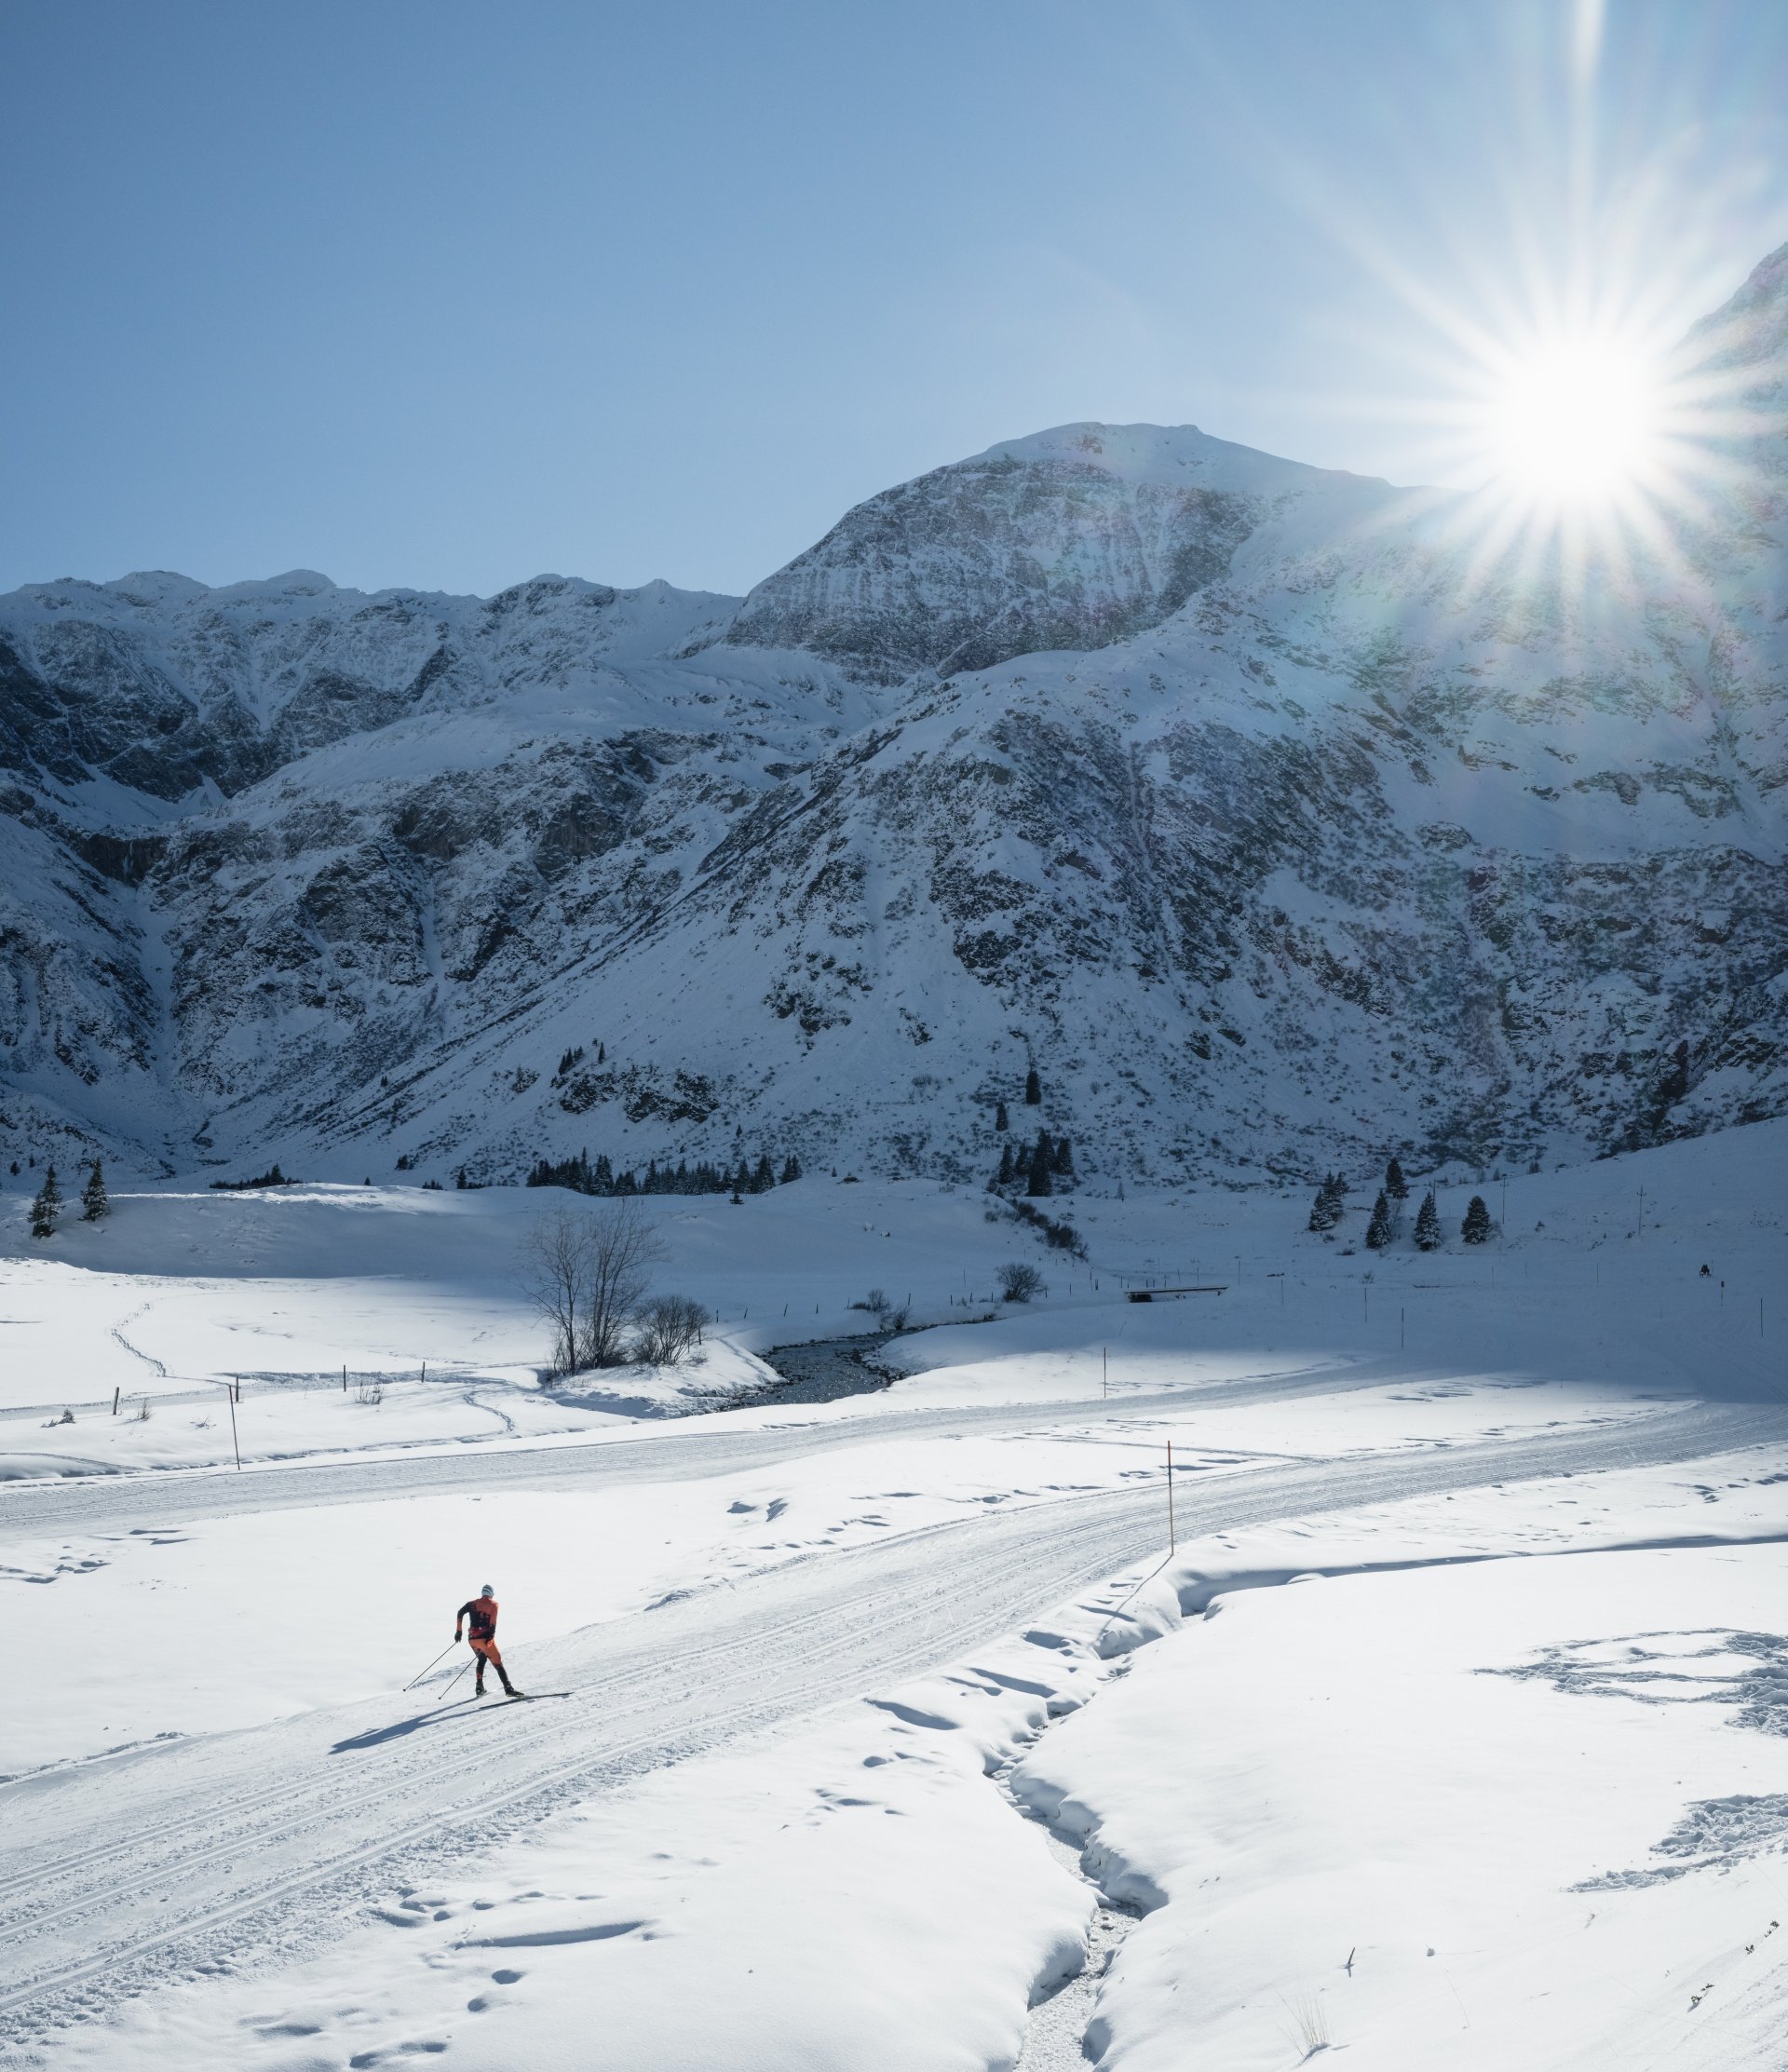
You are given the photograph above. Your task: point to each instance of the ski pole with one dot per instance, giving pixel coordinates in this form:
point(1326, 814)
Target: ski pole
point(454, 1678)
point(441, 1657)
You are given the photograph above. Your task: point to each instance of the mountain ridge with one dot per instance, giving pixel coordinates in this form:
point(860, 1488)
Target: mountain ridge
point(1278, 817)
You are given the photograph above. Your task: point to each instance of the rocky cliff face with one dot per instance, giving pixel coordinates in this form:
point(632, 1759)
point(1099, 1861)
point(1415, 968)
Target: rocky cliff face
point(1283, 819)
point(1070, 539)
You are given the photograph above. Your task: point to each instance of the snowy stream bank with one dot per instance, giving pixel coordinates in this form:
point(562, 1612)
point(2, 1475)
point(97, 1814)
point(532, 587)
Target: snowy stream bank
point(819, 1371)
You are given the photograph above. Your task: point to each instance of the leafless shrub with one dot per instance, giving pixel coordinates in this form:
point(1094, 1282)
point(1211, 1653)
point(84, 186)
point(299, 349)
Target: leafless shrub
point(1019, 1281)
point(670, 1327)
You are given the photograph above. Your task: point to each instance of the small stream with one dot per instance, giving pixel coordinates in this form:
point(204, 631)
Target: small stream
point(819, 1372)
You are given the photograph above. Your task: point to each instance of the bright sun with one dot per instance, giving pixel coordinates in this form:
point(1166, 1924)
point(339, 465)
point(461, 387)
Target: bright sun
point(1574, 424)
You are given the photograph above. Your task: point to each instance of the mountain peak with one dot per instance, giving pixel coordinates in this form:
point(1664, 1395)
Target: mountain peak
point(1173, 456)
point(1067, 539)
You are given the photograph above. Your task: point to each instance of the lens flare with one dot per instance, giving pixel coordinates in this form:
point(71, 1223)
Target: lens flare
point(1576, 423)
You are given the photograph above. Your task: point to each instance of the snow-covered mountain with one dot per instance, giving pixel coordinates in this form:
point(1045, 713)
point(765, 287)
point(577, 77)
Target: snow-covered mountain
point(1279, 817)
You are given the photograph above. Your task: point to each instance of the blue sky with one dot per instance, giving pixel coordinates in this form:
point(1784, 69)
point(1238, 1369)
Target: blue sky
point(451, 293)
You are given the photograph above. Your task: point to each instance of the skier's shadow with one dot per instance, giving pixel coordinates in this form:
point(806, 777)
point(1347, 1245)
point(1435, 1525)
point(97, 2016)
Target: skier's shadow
point(375, 1736)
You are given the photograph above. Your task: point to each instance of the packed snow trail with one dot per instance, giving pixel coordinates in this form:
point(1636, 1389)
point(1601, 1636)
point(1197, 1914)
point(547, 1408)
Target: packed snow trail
point(676, 1451)
point(147, 1865)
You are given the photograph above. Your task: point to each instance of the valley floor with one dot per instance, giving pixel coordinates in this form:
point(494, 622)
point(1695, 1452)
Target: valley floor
point(892, 1732)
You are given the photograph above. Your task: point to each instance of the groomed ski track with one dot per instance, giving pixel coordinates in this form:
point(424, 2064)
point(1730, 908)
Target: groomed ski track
point(190, 1856)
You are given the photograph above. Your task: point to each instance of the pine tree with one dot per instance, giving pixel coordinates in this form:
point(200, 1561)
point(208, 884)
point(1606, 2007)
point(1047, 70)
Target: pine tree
point(1062, 1159)
point(1003, 1177)
point(1037, 1181)
point(763, 1174)
point(790, 1169)
point(1033, 1089)
point(94, 1203)
point(1001, 1121)
point(1330, 1199)
point(1475, 1229)
point(1396, 1187)
point(47, 1206)
point(1428, 1223)
point(1378, 1229)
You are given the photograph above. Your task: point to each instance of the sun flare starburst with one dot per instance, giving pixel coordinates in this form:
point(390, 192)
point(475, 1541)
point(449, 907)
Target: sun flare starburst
point(1575, 423)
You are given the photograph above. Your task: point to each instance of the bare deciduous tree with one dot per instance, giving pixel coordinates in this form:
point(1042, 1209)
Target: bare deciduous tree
point(622, 1249)
point(554, 1271)
point(670, 1327)
point(586, 1274)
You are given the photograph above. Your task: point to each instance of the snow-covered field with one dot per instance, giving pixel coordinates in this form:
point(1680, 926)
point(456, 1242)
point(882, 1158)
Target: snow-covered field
point(1449, 1732)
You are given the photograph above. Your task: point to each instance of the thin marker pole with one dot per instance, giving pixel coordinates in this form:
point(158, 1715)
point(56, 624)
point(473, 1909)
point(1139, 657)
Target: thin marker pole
point(235, 1444)
point(1104, 1371)
point(119, 1390)
point(1171, 1539)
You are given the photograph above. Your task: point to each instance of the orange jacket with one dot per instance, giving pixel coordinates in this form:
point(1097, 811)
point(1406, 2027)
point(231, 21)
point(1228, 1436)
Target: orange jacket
point(482, 1612)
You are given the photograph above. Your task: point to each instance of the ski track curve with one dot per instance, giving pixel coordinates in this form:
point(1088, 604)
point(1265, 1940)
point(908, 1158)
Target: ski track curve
point(684, 1450)
point(176, 1859)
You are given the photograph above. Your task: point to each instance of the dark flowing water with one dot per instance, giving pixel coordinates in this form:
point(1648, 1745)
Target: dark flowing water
point(819, 1371)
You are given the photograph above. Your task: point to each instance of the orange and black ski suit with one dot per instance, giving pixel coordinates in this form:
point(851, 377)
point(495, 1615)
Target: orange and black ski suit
point(481, 1614)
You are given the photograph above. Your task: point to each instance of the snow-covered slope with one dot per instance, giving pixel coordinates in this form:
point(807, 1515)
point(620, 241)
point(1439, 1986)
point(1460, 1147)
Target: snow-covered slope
point(1278, 816)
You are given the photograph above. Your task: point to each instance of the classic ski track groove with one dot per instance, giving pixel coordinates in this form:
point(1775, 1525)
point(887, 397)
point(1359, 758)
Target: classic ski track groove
point(844, 1623)
point(715, 1446)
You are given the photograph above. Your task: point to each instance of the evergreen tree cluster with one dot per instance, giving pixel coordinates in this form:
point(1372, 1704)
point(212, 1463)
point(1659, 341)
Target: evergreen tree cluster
point(1331, 1202)
point(1385, 1225)
point(47, 1204)
point(1049, 1159)
point(271, 1177)
point(599, 1178)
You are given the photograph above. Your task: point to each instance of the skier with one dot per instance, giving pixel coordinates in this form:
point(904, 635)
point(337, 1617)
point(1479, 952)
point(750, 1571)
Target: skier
point(481, 1613)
